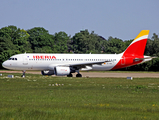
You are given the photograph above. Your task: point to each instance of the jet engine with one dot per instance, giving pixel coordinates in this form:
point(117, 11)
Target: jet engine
point(61, 71)
point(47, 72)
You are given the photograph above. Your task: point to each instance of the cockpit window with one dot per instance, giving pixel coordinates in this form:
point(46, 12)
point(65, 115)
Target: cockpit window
point(12, 59)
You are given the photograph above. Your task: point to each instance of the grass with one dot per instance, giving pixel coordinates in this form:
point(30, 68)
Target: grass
point(37, 97)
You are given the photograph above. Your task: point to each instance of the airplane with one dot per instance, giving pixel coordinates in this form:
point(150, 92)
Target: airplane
point(66, 64)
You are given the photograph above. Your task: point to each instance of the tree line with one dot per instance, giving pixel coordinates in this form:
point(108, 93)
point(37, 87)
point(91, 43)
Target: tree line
point(14, 40)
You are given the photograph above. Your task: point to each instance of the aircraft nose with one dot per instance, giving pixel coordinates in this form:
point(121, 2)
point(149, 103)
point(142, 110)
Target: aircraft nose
point(4, 64)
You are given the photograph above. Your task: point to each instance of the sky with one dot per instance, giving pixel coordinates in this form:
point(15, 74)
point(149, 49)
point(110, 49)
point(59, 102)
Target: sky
point(122, 19)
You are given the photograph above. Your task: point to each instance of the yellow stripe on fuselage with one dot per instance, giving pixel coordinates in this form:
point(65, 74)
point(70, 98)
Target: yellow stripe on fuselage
point(142, 33)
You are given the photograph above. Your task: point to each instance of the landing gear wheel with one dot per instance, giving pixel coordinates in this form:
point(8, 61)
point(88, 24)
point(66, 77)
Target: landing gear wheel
point(23, 74)
point(70, 75)
point(78, 75)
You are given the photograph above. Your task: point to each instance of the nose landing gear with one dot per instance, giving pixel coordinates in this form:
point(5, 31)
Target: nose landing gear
point(23, 74)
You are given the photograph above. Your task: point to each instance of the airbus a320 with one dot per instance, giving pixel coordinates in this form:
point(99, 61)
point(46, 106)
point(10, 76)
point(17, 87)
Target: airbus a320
point(66, 64)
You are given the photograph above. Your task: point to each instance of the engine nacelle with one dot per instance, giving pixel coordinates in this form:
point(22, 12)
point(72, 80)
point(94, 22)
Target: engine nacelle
point(47, 72)
point(61, 71)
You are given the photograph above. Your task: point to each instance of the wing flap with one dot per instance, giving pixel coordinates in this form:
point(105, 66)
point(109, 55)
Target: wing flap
point(84, 64)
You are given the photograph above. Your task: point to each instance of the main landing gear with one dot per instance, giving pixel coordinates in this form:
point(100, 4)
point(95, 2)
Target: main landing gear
point(23, 73)
point(78, 75)
point(70, 75)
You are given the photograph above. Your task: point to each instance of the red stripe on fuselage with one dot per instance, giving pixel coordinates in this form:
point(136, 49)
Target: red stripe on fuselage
point(126, 62)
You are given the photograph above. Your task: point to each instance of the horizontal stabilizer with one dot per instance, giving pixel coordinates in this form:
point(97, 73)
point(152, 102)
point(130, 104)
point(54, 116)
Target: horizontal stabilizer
point(147, 57)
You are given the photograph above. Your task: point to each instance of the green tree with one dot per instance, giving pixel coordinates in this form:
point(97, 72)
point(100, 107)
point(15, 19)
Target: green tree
point(85, 42)
point(155, 45)
point(115, 45)
point(149, 50)
point(13, 40)
point(41, 41)
point(61, 43)
point(80, 42)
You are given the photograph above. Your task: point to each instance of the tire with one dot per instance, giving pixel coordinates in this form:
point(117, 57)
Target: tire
point(70, 75)
point(78, 75)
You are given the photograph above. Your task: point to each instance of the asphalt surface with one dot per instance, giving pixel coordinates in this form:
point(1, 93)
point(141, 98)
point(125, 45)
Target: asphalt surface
point(104, 74)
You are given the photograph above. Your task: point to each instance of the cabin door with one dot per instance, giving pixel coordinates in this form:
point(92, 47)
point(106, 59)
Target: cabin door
point(25, 60)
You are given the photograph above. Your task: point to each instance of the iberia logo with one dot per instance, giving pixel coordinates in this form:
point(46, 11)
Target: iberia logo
point(43, 57)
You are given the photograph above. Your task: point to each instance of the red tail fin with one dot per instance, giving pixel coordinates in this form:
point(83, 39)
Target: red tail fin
point(137, 47)
point(135, 52)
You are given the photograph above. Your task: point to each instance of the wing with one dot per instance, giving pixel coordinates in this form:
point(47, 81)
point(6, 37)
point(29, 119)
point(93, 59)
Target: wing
point(84, 65)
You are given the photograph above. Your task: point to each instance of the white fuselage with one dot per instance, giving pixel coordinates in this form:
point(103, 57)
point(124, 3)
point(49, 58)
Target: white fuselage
point(37, 61)
point(66, 64)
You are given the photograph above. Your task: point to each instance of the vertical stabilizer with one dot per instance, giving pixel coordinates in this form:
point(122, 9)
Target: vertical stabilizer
point(137, 47)
point(134, 54)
